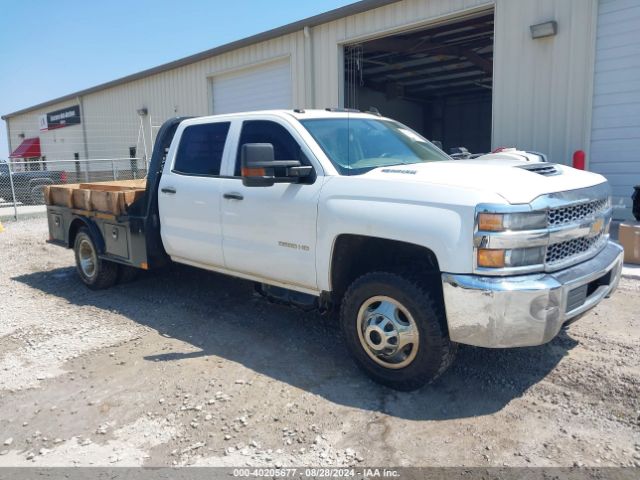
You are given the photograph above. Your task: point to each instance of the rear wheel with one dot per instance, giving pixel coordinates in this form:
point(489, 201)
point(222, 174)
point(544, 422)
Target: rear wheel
point(97, 274)
point(396, 330)
point(36, 195)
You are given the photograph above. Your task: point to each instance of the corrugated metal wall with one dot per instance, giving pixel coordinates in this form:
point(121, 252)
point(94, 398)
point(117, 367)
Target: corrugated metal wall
point(543, 87)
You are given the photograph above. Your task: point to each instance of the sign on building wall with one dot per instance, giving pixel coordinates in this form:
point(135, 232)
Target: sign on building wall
point(60, 118)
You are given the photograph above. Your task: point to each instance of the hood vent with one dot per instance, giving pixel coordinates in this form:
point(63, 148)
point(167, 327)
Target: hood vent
point(546, 169)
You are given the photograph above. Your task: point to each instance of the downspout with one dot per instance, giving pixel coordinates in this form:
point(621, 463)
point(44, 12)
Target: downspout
point(309, 87)
point(13, 190)
point(590, 76)
point(6, 123)
point(84, 136)
point(150, 143)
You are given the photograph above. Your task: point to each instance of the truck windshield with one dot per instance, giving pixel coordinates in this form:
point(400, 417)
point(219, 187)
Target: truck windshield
point(357, 145)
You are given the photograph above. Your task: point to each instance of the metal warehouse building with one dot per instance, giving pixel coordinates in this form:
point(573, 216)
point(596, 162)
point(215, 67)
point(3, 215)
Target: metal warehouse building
point(554, 76)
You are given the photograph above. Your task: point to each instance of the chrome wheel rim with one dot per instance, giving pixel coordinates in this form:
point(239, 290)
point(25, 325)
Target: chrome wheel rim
point(87, 258)
point(388, 332)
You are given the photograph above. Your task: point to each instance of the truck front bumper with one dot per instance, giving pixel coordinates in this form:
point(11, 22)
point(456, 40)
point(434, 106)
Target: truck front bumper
point(526, 310)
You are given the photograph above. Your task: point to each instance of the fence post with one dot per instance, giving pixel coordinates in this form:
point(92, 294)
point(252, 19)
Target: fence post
point(86, 173)
point(13, 191)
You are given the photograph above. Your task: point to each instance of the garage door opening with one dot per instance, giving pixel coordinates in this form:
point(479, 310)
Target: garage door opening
point(437, 80)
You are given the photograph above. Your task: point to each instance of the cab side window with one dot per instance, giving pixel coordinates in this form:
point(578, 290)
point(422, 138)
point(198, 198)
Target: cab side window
point(285, 147)
point(200, 150)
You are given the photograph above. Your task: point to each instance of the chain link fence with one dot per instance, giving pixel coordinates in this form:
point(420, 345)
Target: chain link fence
point(22, 182)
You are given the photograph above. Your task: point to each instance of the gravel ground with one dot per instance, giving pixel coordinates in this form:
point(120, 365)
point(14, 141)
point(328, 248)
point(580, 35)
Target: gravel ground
point(186, 367)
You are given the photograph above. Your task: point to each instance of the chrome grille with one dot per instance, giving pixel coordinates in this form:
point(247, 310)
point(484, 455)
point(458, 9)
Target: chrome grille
point(563, 250)
point(574, 213)
point(577, 228)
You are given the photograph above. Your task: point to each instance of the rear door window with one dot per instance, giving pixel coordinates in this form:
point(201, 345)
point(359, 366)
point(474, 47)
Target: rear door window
point(201, 148)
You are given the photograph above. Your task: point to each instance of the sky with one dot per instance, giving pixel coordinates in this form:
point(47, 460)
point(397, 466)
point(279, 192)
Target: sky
point(52, 48)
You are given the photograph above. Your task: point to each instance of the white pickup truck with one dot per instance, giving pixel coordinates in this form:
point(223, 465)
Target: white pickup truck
point(351, 212)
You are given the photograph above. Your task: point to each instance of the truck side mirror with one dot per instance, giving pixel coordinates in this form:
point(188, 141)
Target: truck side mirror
point(260, 169)
point(255, 158)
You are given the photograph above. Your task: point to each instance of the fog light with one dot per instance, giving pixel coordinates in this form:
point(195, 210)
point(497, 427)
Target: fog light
point(546, 307)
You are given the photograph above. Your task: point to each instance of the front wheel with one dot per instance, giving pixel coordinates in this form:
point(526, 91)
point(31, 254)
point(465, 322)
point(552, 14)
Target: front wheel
point(96, 273)
point(396, 330)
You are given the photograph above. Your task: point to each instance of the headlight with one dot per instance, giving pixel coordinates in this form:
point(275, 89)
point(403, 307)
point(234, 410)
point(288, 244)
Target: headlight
point(517, 257)
point(500, 222)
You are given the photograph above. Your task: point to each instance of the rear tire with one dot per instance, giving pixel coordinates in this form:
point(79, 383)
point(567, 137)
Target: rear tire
point(36, 195)
point(396, 330)
point(95, 273)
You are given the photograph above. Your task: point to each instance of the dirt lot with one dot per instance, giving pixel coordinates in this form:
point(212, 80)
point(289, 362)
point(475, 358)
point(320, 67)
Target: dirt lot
point(186, 367)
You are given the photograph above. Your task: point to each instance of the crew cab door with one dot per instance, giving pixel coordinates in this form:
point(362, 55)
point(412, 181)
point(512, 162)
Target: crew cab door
point(189, 195)
point(270, 232)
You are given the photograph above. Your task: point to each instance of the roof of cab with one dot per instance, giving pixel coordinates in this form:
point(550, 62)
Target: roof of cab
point(298, 114)
point(329, 113)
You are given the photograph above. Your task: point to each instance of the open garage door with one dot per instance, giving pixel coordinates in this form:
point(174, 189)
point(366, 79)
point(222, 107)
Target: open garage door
point(437, 80)
point(615, 131)
point(263, 87)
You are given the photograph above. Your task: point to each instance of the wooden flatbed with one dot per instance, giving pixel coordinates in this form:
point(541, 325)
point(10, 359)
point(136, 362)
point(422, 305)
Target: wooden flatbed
point(105, 208)
point(114, 197)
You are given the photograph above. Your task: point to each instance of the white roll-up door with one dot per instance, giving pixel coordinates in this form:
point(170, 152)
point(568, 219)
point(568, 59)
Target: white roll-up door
point(615, 133)
point(263, 87)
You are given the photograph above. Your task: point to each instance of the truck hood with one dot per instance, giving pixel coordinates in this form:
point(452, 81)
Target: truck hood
point(516, 181)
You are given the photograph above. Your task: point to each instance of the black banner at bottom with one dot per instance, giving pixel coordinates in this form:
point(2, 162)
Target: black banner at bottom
point(358, 473)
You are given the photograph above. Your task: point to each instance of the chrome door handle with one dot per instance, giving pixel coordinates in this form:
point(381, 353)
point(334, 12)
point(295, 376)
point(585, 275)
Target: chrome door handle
point(169, 190)
point(233, 196)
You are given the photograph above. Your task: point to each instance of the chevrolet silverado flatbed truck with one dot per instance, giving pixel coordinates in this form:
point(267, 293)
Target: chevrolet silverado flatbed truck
point(356, 213)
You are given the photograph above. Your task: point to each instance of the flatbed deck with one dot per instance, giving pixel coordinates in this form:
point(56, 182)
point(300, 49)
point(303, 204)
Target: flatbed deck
point(114, 197)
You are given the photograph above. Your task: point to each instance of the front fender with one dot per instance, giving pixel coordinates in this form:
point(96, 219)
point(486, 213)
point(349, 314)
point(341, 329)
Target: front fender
point(437, 217)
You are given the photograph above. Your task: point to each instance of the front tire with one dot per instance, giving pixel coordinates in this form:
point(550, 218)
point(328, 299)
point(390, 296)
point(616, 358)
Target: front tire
point(95, 273)
point(395, 329)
